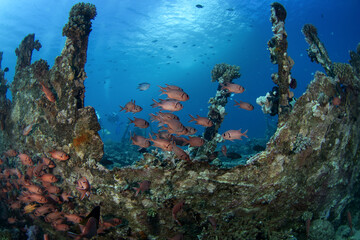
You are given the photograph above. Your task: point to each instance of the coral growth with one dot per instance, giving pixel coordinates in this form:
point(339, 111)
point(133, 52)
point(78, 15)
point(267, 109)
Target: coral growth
point(316, 51)
point(79, 24)
point(224, 73)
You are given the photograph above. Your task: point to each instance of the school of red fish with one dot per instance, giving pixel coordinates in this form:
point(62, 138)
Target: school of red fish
point(31, 188)
point(172, 132)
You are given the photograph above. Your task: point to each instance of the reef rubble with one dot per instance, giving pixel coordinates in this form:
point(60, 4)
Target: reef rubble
point(309, 171)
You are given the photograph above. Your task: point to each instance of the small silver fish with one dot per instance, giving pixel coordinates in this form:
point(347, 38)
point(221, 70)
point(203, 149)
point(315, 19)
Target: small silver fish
point(143, 86)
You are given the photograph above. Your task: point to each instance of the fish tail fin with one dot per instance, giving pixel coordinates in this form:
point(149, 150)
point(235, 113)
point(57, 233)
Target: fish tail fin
point(122, 108)
point(131, 121)
point(192, 118)
point(137, 191)
point(155, 104)
point(244, 133)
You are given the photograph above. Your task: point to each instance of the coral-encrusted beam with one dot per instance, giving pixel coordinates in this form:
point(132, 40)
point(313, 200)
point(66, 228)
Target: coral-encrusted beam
point(278, 50)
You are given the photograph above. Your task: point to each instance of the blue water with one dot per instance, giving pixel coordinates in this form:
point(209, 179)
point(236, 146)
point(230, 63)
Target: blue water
point(175, 42)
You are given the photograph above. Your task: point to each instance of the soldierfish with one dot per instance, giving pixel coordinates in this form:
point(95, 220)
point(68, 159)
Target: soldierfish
point(143, 186)
point(128, 106)
point(234, 134)
point(224, 150)
point(176, 94)
point(244, 105)
point(203, 121)
point(180, 154)
point(177, 208)
point(196, 141)
point(171, 87)
point(170, 105)
point(25, 159)
point(49, 178)
point(48, 93)
point(27, 129)
point(164, 144)
point(59, 155)
point(84, 187)
point(232, 87)
point(161, 116)
point(140, 141)
point(139, 122)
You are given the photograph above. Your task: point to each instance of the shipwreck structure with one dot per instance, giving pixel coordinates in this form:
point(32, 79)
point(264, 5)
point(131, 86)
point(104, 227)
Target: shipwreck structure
point(307, 175)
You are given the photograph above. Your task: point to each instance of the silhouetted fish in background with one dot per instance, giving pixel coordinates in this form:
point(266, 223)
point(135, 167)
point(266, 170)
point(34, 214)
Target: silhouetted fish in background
point(233, 155)
point(258, 148)
point(143, 86)
point(199, 6)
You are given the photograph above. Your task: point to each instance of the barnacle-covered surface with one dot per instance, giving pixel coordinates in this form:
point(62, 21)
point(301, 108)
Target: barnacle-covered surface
point(309, 169)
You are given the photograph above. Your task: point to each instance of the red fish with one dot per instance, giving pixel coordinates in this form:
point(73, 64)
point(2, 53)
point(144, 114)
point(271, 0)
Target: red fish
point(65, 196)
point(234, 134)
point(51, 217)
point(161, 116)
point(140, 141)
point(336, 101)
point(171, 87)
point(27, 129)
point(244, 105)
point(48, 93)
point(34, 189)
point(84, 187)
point(232, 87)
point(350, 222)
point(178, 236)
point(53, 189)
point(169, 105)
point(180, 154)
point(25, 159)
point(10, 153)
point(49, 163)
point(37, 198)
point(128, 106)
point(140, 123)
point(164, 144)
point(49, 178)
point(196, 141)
point(176, 94)
point(224, 150)
point(61, 227)
point(45, 209)
point(203, 121)
point(212, 221)
point(177, 208)
point(73, 218)
point(143, 186)
point(174, 124)
point(59, 155)
point(191, 130)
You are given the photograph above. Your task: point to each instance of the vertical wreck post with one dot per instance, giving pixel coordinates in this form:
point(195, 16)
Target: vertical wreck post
point(4, 102)
point(24, 51)
point(317, 51)
point(221, 73)
point(278, 50)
